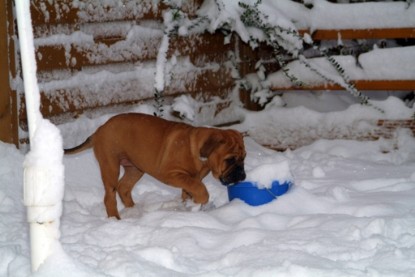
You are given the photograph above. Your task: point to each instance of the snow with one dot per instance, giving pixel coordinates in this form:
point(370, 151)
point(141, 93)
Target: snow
point(349, 213)
point(162, 53)
point(92, 87)
point(323, 15)
point(301, 124)
point(44, 173)
point(378, 64)
point(265, 173)
point(186, 106)
point(96, 10)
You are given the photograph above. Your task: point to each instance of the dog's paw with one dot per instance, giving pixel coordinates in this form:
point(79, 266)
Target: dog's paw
point(173, 205)
point(208, 206)
point(191, 206)
point(195, 207)
point(133, 212)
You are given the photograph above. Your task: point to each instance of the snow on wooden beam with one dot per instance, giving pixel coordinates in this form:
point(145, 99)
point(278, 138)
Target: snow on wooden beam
point(79, 53)
point(379, 69)
point(90, 11)
point(105, 89)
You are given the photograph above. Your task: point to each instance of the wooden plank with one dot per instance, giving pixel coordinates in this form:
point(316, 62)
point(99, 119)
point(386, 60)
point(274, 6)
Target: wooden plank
point(8, 103)
point(120, 105)
point(128, 89)
point(359, 84)
point(87, 11)
point(76, 57)
point(51, 57)
point(381, 33)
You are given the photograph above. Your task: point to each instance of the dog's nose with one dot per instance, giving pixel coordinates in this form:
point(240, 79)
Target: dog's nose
point(243, 175)
point(236, 175)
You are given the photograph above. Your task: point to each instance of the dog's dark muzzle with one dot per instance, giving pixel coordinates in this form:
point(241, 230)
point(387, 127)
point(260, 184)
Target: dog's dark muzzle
point(235, 174)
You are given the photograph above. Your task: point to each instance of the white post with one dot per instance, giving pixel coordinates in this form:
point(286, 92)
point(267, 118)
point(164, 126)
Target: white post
point(32, 97)
point(43, 208)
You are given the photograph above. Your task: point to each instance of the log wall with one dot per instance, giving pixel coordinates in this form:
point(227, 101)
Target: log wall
point(102, 54)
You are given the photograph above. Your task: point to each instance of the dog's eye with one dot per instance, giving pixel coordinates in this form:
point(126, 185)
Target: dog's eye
point(230, 161)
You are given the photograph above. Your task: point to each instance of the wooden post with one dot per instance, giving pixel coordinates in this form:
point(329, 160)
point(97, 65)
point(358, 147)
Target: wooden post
point(8, 105)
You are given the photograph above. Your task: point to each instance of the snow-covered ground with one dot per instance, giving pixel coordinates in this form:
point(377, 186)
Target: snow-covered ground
point(350, 213)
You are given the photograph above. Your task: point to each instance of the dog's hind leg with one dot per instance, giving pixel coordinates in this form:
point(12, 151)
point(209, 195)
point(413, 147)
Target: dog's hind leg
point(126, 184)
point(110, 170)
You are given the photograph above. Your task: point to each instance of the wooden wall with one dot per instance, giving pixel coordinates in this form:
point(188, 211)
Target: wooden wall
point(98, 55)
point(8, 100)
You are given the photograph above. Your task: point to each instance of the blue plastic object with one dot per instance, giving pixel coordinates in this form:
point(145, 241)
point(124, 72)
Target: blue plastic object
point(254, 196)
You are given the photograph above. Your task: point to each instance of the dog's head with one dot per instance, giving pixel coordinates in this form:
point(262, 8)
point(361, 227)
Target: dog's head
point(225, 153)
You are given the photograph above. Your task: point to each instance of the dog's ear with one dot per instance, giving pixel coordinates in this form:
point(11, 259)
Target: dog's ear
point(212, 141)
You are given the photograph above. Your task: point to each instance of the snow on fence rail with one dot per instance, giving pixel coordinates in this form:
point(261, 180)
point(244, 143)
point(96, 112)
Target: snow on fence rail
point(378, 69)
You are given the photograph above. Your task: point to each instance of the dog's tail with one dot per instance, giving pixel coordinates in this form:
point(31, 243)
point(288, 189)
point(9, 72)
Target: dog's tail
point(85, 145)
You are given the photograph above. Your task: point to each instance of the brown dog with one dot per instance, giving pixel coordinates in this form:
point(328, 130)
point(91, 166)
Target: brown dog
point(175, 153)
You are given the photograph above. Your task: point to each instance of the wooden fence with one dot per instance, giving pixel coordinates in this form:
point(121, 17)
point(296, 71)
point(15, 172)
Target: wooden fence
point(98, 55)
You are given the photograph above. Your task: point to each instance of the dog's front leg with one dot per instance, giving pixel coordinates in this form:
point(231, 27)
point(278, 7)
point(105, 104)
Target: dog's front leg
point(202, 174)
point(191, 187)
point(185, 195)
point(110, 202)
